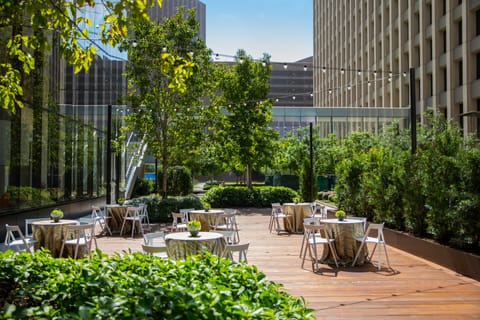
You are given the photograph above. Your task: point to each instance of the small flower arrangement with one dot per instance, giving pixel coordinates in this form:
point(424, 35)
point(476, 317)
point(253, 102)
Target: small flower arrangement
point(121, 200)
point(340, 214)
point(194, 225)
point(56, 214)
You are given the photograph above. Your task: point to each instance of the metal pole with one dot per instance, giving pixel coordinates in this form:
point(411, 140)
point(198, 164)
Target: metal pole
point(413, 111)
point(311, 164)
point(109, 154)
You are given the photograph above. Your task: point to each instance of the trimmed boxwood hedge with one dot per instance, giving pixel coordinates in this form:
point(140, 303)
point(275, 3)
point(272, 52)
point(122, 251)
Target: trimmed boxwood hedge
point(160, 210)
point(258, 197)
point(137, 286)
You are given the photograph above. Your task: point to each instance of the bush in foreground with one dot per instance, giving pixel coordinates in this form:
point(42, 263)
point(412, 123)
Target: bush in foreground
point(136, 286)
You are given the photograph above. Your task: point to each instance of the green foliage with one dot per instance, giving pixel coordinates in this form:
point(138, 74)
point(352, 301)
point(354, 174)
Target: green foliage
point(258, 197)
point(72, 29)
point(167, 58)
point(179, 182)
point(160, 209)
point(244, 137)
point(29, 197)
point(143, 187)
point(137, 286)
point(432, 193)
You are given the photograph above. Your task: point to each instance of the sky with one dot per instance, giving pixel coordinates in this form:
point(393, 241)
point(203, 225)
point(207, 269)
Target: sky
point(281, 28)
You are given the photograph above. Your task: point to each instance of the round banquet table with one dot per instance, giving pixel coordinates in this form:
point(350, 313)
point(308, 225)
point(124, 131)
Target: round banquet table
point(182, 244)
point(116, 213)
point(296, 212)
point(206, 218)
point(344, 233)
point(49, 235)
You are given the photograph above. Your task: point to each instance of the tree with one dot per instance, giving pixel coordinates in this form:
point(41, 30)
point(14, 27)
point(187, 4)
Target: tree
point(26, 25)
point(170, 73)
point(246, 139)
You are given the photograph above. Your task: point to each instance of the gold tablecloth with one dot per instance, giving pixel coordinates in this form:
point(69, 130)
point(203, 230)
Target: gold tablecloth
point(344, 233)
point(116, 214)
point(206, 218)
point(49, 235)
point(296, 212)
point(181, 244)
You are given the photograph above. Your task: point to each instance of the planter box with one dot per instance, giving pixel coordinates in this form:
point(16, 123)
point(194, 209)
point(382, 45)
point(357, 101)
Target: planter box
point(461, 262)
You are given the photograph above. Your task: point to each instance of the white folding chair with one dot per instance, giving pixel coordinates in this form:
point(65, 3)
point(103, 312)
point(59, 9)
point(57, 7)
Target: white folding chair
point(317, 235)
point(228, 222)
point(377, 240)
point(144, 215)
point(179, 222)
point(314, 221)
point(231, 250)
point(363, 219)
point(277, 214)
point(150, 238)
point(80, 235)
point(158, 251)
point(186, 212)
point(99, 216)
point(12, 241)
point(133, 214)
point(28, 226)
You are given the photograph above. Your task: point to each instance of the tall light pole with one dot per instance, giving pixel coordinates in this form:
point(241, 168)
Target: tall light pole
point(413, 111)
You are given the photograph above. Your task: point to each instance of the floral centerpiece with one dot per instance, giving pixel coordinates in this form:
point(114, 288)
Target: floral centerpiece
point(340, 214)
point(56, 214)
point(194, 227)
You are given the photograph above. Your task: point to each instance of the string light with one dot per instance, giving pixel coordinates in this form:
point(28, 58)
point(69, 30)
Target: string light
point(305, 68)
point(285, 66)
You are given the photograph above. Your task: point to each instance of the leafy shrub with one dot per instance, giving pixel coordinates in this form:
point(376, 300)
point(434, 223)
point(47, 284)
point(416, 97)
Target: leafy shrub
point(179, 181)
point(159, 210)
point(137, 286)
point(143, 187)
point(248, 197)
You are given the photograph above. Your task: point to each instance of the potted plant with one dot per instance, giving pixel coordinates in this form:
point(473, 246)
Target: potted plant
point(340, 214)
point(194, 227)
point(56, 215)
point(121, 200)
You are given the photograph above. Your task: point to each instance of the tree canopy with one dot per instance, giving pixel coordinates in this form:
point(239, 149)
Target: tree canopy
point(26, 25)
point(245, 137)
point(170, 74)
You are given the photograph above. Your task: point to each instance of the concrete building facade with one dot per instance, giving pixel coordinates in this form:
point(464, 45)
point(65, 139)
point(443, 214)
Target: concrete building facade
point(364, 51)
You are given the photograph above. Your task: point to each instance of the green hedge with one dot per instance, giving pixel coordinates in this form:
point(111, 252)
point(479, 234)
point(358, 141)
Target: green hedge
point(159, 210)
point(137, 286)
point(258, 197)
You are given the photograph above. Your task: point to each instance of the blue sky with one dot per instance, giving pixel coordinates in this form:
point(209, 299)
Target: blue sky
point(281, 28)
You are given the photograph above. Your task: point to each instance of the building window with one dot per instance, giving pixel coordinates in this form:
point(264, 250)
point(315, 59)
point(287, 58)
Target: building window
point(460, 119)
point(460, 31)
point(478, 65)
point(477, 20)
point(444, 39)
point(444, 79)
point(460, 73)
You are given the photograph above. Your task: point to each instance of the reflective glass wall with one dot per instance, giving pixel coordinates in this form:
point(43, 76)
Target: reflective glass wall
point(52, 155)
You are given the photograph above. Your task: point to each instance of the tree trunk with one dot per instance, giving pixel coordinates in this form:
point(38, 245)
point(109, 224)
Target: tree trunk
point(249, 176)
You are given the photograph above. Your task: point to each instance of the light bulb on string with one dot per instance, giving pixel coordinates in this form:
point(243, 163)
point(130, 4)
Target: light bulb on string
point(359, 72)
point(305, 68)
point(285, 66)
point(324, 69)
point(342, 71)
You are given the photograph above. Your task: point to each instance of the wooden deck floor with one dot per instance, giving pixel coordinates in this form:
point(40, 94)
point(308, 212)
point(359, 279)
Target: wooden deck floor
point(415, 289)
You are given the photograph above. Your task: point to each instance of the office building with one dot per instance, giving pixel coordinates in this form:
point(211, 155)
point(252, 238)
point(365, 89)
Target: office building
point(363, 51)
